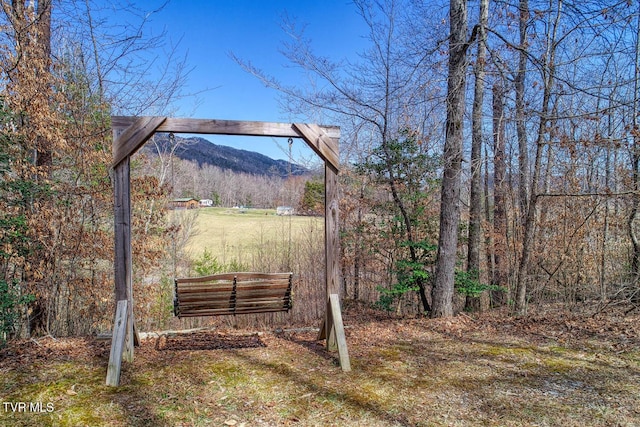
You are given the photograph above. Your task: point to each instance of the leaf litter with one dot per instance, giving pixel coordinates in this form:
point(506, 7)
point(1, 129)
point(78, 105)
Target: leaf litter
point(552, 367)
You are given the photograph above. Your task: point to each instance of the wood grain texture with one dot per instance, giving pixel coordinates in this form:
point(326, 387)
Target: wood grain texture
point(321, 143)
point(332, 249)
point(117, 344)
point(122, 248)
point(332, 240)
point(122, 229)
point(224, 294)
point(225, 127)
point(338, 328)
point(134, 137)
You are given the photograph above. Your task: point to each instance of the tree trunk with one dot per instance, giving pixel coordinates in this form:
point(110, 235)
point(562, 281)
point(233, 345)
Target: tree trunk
point(358, 248)
point(44, 155)
point(634, 217)
point(548, 77)
point(489, 238)
point(32, 90)
point(521, 129)
point(452, 159)
point(475, 209)
point(501, 277)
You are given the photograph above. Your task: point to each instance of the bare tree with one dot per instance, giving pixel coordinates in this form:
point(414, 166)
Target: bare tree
point(135, 70)
point(452, 160)
point(521, 114)
point(380, 93)
point(63, 102)
point(548, 71)
point(475, 209)
point(501, 276)
point(634, 217)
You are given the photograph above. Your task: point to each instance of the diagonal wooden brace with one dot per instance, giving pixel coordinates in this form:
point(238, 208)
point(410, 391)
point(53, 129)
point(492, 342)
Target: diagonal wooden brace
point(333, 330)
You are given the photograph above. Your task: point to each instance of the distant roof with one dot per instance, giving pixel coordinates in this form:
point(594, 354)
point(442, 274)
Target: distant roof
point(184, 199)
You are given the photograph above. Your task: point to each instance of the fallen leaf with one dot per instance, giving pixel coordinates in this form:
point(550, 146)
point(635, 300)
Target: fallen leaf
point(72, 391)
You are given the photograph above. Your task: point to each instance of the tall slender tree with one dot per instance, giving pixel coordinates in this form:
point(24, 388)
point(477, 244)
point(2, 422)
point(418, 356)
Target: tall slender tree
point(475, 208)
point(521, 114)
point(548, 70)
point(452, 160)
point(634, 217)
point(500, 193)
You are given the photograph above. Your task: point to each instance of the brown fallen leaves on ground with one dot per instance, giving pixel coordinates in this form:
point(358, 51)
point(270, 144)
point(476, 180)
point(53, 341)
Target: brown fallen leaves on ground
point(552, 367)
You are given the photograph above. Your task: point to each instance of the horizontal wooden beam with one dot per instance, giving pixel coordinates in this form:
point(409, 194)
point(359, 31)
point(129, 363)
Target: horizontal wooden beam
point(225, 127)
point(134, 136)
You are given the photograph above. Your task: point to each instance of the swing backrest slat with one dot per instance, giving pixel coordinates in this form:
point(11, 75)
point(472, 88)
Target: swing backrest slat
point(232, 293)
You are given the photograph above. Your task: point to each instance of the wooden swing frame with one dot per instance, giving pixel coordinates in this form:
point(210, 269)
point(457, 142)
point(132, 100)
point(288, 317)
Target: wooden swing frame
point(130, 134)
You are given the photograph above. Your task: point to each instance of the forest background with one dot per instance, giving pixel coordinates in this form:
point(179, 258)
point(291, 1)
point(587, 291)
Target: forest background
point(491, 157)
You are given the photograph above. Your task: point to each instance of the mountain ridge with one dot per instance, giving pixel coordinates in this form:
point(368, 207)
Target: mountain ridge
point(205, 152)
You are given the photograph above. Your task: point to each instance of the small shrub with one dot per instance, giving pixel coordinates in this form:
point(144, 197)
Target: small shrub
point(467, 284)
point(389, 295)
point(10, 303)
point(208, 264)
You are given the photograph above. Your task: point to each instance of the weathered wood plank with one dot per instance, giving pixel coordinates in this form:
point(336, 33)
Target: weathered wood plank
point(251, 298)
point(211, 278)
point(323, 145)
point(330, 331)
point(255, 286)
point(133, 137)
point(230, 276)
point(204, 299)
point(229, 312)
point(260, 299)
point(122, 238)
point(332, 251)
point(136, 334)
point(117, 344)
point(322, 330)
point(248, 276)
point(122, 229)
point(217, 294)
point(332, 240)
point(205, 313)
point(224, 127)
point(332, 248)
point(188, 293)
point(338, 327)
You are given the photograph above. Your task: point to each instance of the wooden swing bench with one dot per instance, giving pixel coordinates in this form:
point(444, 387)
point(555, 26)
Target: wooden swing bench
point(232, 293)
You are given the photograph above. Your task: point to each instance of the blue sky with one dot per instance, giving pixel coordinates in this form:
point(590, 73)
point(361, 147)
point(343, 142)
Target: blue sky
point(207, 31)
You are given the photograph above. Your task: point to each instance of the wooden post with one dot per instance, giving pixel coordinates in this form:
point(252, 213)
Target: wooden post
point(122, 261)
point(127, 141)
point(117, 343)
point(332, 242)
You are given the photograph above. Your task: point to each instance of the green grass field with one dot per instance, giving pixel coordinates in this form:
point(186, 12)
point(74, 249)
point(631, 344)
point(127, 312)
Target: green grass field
point(242, 234)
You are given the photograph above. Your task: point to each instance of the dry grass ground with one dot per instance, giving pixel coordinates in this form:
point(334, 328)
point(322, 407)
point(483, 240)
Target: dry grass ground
point(553, 368)
point(238, 234)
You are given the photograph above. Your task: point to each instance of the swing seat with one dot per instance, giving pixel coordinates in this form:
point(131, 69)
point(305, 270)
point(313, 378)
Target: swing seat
point(232, 293)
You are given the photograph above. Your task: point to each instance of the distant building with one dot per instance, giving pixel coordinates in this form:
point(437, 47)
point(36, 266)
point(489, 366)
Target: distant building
point(184, 203)
point(284, 210)
point(206, 203)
